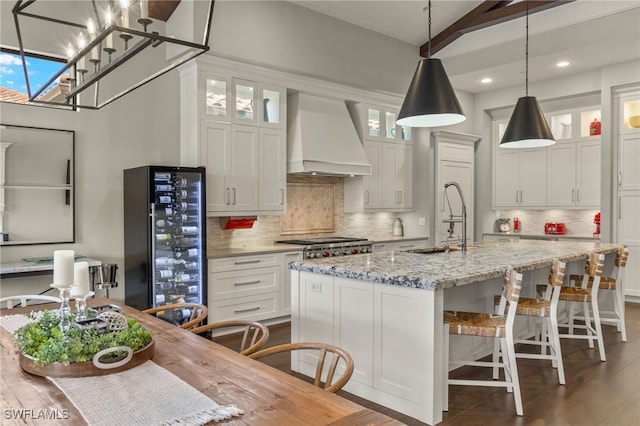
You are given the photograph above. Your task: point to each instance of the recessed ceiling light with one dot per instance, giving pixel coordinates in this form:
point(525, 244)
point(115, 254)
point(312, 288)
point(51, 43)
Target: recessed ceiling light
point(563, 64)
point(486, 80)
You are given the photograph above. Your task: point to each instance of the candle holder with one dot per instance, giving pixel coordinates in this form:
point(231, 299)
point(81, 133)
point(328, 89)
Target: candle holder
point(126, 38)
point(81, 306)
point(96, 64)
point(65, 309)
point(145, 23)
point(110, 51)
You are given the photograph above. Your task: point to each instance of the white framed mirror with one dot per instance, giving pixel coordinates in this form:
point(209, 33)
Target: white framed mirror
point(36, 185)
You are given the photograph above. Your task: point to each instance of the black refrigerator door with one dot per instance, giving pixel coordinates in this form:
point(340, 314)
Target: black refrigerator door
point(165, 236)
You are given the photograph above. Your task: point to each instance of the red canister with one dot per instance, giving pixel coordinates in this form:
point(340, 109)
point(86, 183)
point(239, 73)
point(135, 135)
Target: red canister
point(516, 224)
point(595, 127)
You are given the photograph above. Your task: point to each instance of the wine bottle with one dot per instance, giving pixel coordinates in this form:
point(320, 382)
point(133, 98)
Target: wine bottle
point(163, 237)
point(187, 242)
point(164, 286)
point(164, 188)
point(185, 252)
point(162, 177)
point(165, 261)
point(188, 230)
point(165, 273)
point(184, 206)
point(165, 199)
point(186, 218)
point(183, 278)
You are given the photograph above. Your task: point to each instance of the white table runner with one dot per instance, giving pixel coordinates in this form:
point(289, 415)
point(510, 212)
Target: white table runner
point(144, 395)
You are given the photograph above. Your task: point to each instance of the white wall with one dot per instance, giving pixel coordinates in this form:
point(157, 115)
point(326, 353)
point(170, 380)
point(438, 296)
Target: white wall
point(141, 128)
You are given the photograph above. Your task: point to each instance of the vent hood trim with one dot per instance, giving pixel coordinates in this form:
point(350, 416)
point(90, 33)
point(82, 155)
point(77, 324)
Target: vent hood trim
point(322, 139)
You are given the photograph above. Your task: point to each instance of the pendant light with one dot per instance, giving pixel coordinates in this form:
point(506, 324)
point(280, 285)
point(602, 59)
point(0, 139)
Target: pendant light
point(527, 127)
point(431, 100)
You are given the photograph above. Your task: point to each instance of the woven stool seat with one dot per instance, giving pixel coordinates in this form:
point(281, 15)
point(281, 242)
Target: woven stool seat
point(529, 306)
point(475, 324)
point(575, 294)
point(606, 283)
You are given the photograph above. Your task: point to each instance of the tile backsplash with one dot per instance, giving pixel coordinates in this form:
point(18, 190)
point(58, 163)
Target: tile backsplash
point(578, 222)
point(322, 194)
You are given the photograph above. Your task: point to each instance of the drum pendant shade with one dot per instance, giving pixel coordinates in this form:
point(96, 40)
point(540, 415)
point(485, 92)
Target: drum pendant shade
point(527, 127)
point(431, 100)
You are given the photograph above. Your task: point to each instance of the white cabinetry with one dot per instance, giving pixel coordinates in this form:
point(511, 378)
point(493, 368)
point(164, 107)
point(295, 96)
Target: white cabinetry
point(627, 188)
point(399, 245)
point(573, 174)
point(390, 151)
point(520, 177)
point(454, 163)
point(325, 311)
point(235, 128)
point(245, 287)
point(288, 257)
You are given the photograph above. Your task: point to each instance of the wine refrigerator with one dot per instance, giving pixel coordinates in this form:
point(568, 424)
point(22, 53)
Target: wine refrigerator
point(165, 237)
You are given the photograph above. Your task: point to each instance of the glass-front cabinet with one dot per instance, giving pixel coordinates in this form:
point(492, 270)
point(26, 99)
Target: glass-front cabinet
point(576, 123)
point(256, 104)
point(381, 125)
point(630, 117)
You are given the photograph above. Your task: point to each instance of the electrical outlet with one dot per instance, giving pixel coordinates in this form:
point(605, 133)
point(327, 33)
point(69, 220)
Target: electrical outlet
point(422, 221)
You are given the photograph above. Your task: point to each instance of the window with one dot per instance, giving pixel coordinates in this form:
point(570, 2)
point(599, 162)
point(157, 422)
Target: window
point(13, 87)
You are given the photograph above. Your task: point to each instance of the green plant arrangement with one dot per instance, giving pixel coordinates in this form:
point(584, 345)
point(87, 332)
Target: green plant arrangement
point(46, 343)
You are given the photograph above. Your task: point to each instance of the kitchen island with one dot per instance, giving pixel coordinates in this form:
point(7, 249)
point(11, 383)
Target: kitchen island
point(386, 310)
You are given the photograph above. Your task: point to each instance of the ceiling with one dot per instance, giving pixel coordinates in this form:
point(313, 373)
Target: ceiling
point(589, 34)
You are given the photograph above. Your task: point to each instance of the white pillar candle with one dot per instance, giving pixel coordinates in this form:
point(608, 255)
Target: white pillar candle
point(81, 278)
point(144, 9)
point(91, 29)
point(108, 19)
point(63, 268)
point(82, 43)
point(124, 5)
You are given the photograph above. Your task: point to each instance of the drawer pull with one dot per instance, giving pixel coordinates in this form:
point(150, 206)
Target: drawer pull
point(246, 262)
point(246, 283)
point(241, 311)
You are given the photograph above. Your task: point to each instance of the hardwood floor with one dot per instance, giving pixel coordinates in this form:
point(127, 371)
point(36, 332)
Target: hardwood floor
point(596, 393)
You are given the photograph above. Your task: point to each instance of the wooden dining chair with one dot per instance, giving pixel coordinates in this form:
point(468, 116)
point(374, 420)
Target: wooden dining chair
point(27, 299)
point(185, 315)
point(337, 354)
point(545, 308)
point(586, 296)
point(615, 284)
point(254, 334)
point(489, 325)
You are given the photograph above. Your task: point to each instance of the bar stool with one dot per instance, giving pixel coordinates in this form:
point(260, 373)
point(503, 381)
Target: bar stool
point(585, 295)
point(614, 283)
point(546, 308)
point(498, 326)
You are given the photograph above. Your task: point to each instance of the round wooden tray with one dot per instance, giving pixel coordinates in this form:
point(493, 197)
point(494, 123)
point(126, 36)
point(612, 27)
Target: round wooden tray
point(82, 369)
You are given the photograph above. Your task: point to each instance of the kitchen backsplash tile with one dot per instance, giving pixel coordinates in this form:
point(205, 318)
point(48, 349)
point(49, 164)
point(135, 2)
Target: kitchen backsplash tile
point(268, 229)
point(578, 222)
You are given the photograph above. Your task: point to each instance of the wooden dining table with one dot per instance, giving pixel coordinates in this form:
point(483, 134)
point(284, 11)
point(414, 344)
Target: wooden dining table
point(266, 395)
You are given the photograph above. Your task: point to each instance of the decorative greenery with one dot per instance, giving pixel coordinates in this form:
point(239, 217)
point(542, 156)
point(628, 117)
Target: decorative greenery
point(46, 343)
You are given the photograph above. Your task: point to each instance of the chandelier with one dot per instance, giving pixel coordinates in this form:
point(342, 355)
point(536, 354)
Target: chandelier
point(109, 47)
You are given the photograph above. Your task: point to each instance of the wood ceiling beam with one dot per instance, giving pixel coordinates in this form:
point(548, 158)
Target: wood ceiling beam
point(488, 13)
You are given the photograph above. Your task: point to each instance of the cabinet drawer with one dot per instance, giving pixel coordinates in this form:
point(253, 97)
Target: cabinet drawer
point(250, 308)
point(225, 285)
point(243, 262)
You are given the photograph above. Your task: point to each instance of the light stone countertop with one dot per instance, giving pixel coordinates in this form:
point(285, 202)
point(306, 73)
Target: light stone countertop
point(551, 237)
point(281, 248)
point(28, 267)
point(485, 260)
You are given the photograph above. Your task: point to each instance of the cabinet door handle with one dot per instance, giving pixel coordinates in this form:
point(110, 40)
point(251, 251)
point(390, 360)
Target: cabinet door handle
point(620, 207)
point(517, 201)
point(521, 198)
point(442, 201)
point(246, 262)
point(400, 195)
point(234, 195)
point(240, 311)
point(573, 195)
point(366, 196)
point(620, 178)
point(578, 195)
point(246, 283)
point(227, 200)
point(282, 196)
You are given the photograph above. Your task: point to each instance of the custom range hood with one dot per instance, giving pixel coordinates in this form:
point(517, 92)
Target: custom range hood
point(321, 138)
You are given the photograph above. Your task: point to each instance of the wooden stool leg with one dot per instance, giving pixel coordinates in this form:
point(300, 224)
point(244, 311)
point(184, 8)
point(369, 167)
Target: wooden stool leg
point(598, 327)
point(587, 322)
point(496, 358)
point(555, 347)
point(618, 297)
point(511, 370)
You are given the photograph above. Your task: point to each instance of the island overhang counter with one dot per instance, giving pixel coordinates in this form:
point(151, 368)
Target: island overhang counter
point(386, 310)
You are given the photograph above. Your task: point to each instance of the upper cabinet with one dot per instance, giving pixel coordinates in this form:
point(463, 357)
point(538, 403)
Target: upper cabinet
point(389, 150)
point(564, 175)
point(235, 128)
point(379, 123)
